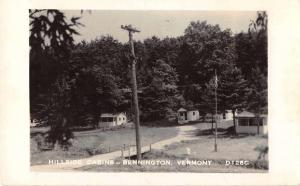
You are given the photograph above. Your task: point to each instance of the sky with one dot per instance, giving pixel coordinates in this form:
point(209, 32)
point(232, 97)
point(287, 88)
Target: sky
point(153, 23)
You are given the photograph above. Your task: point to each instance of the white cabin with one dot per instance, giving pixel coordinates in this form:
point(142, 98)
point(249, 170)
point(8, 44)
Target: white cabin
point(184, 116)
point(225, 116)
point(246, 122)
point(112, 120)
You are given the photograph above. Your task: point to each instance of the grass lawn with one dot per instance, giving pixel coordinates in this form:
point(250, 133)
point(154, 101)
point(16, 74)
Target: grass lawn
point(230, 147)
point(198, 148)
point(85, 141)
point(201, 149)
point(36, 130)
point(116, 139)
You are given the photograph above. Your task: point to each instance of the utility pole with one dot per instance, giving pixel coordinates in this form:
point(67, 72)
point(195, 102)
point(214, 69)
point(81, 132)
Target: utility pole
point(216, 123)
point(132, 30)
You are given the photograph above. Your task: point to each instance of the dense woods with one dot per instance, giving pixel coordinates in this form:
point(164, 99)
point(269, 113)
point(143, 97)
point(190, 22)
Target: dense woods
point(72, 84)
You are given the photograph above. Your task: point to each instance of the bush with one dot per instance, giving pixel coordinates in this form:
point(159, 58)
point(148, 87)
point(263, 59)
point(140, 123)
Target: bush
point(96, 151)
point(259, 164)
point(60, 134)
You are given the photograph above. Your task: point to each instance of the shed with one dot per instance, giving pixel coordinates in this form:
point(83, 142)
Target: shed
point(247, 122)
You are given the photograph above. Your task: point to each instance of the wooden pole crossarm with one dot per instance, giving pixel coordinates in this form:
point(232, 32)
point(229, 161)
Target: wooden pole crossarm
point(129, 28)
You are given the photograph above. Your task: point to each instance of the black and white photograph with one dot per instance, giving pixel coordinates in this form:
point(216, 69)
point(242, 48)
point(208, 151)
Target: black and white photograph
point(148, 91)
point(139, 92)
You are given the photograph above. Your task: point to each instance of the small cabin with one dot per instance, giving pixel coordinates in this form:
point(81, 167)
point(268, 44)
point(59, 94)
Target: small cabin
point(249, 123)
point(224, 116)
point(112, 120)
point(33, 123)
point(184, 116)
point(209, 117)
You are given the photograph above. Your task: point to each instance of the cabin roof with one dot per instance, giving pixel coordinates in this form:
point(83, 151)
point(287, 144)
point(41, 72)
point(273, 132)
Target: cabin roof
point(248, 114)
point(107, 115)
point(110, 114)
point(182, 110)
point(185, 110)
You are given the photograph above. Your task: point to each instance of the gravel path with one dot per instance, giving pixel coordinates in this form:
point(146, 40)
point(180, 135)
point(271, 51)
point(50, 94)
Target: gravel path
point(184, 133)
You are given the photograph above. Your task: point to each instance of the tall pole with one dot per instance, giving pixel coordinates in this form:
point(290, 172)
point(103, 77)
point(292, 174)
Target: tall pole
point(134, 91)
point(216, 99)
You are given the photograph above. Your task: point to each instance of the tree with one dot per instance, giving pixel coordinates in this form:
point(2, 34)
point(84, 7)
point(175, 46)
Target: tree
point(51, 38)
point(205, 48)
point(158, 97)
point(252, 49)
point(257, 94)
point(157, 77)
point(208, 101)
point(232, 90)
point(101, 75)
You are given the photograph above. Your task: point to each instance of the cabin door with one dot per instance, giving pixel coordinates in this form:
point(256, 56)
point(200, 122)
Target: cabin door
point(182, 116)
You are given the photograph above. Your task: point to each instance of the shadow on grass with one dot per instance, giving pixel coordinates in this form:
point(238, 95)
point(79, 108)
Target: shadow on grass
point(166, 123)
point(228, 132)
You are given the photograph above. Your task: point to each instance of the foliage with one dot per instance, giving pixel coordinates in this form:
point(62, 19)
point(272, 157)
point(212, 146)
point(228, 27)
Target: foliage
point(51, 38)
point(98, 66)
point(158, 78)
point(158, 96)
point(257, 68)
point(205, 48)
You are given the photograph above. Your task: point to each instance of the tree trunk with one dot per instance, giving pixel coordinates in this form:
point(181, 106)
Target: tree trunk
point(234, 124)
point(212, 123)
point(257, 115)
point(257, 122)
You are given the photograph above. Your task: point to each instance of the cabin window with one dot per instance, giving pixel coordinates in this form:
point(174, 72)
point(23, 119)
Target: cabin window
point(261, 121)
point(123, 119)
point(243, 122)
point(107, 119)
point(253, 121)
point(120, 119)
point(193, 113)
